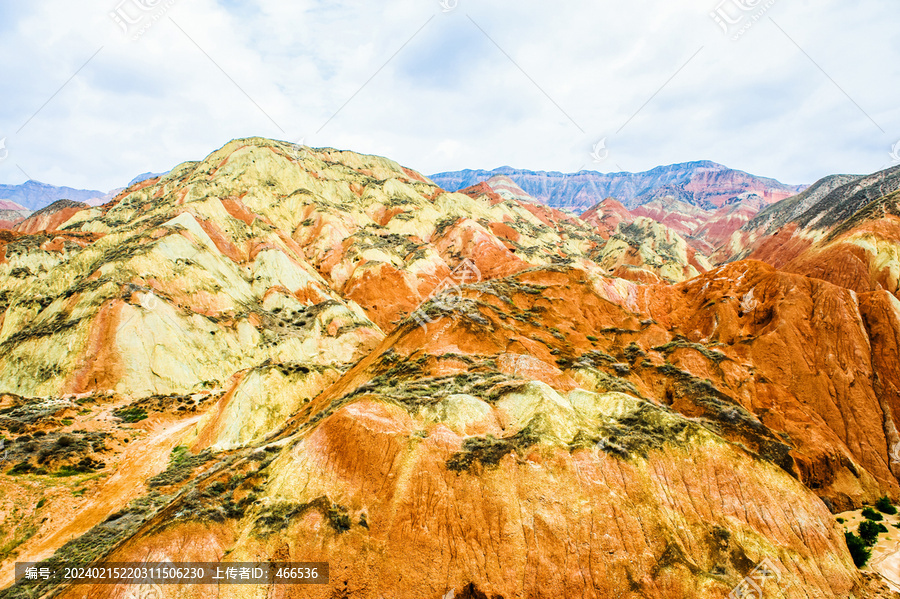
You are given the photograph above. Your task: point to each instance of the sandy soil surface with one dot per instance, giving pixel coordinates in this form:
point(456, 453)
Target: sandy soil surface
point(885, 559)
point(142, 459)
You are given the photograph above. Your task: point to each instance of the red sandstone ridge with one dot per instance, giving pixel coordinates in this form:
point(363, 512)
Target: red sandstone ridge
point(606, 216)
point(721, 224)
point(832, 205)
point(678, 216)
point(841, 230)
point(11, 214)
point(704, 230)
point(481, 189)
point(861, 253)
point(718, 187)
point(50, 218)
point(507, 189)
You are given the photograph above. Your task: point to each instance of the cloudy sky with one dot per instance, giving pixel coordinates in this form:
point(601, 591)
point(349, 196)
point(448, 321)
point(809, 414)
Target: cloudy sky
point(97, 91)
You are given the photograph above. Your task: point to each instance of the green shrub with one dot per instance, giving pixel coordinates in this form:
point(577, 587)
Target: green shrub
point(858, 549)
point(133, 414)
point(621, 369)
point(870, 514)
point(275, 518)
point(488, 450)
point(23, 467)
point(633, 352)
point(868, 531)
point(66, 470)
point(181, 464)
point(338, 518)
point(885, 506)
point(179, 454)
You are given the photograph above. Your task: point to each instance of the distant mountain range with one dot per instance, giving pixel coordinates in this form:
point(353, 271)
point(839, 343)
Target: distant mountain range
point(143, 177)
point(34, 195)
point(704, 184)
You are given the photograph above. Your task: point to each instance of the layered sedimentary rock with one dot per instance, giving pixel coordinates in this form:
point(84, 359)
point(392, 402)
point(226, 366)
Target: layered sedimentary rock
point(291, 354)
point(11, 214)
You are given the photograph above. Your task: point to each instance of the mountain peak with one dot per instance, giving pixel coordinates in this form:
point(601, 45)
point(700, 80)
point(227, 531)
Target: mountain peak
point(703, 183)
point(35, 195)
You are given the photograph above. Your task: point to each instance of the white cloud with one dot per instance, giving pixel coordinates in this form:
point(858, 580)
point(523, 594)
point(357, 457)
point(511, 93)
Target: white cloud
point(450, 98)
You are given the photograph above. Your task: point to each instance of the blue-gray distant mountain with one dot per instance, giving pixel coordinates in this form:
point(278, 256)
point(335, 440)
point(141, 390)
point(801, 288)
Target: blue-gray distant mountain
point(144, 177)
point(704, 184)
point(35, 195)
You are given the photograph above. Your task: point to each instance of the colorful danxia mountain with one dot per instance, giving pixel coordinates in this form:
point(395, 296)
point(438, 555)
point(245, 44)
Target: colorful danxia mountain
point(457, 386)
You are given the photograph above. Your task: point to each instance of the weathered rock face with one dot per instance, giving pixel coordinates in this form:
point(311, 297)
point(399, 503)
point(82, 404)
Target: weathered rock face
point(51, 217)
point(606, 216)
point(681, 217)
point(645, 247)
point(861, 253)
point(285, 353)
point(836, 203)
point(507, 189)
point(118, 314)
point(11, 214)
point(401, 504)
point(722, 223)
point(820, 400)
